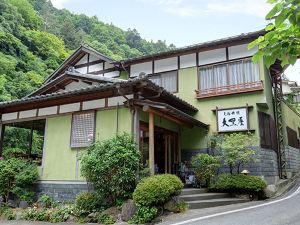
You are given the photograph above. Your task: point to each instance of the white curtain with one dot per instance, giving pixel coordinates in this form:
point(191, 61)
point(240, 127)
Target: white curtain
point(167, 80)
point(212, 77)
point(242, 71)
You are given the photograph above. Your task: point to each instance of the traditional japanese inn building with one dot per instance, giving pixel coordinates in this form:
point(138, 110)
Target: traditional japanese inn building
point(171, 102)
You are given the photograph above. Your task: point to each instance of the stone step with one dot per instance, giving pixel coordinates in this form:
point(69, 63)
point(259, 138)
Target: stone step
point(200, 204)
point(193, 191)
point(204, 196)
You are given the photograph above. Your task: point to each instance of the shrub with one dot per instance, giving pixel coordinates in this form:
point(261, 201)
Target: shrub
point(106, 219)
point(205, 166)
point(86, 202)
point(239, 183)
point(111, 167)
point(156, 190)
point(46, 201)
point(16, 177)
point(61, 214)
point(7, 213)
point(34, 214)
point(145, 214)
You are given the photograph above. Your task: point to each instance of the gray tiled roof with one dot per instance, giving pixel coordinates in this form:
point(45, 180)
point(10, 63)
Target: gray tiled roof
point(100, 87)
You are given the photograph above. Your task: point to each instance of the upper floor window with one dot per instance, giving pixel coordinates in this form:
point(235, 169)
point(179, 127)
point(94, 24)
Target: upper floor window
point(83, 129)
point(167, 80)
point(230, 77)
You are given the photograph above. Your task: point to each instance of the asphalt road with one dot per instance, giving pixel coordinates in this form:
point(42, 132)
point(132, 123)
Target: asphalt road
point(282, 211)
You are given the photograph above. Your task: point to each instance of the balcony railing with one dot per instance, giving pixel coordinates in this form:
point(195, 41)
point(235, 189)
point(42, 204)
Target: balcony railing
point(230, 89)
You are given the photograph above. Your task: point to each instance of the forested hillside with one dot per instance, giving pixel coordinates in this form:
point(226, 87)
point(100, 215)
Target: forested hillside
point(35, 38)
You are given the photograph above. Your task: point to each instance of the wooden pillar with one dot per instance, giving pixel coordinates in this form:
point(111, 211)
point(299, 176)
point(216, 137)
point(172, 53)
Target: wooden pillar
point(151, 143)
point(30, 140)
point(166, 152)
point(2, 131)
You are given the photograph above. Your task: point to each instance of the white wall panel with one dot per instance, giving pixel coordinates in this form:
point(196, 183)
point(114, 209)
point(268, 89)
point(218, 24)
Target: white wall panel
point(28, 113)
point(108, 65)
point(136, 69)
point(82, 70)
point(93, 58)
point(240, 51)
point(83, 60)
point(163, 65)
point(112, 74)
point(212, 56)
point(115, 100)
point(69, 107)
point(9, 116)
point(96, 67)
point(94, 104)
point(48, 111)
point(187, 61)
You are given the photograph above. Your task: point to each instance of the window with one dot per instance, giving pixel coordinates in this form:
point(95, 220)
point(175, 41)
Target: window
point(267, 131)
point(231, 75)
point(83, 127)
point(167, 80)
point(292, 137)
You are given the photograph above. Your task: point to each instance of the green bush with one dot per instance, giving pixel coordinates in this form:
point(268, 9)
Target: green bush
point(61, 214)
point(46, 201)
point(7, 213)
point(145, 214)
point(86, 202)
point(111, 167)
point(17, 177)
point(34, 214)
point(156, 190)
point(106, 219)
point(239, 183)
point(205, 166)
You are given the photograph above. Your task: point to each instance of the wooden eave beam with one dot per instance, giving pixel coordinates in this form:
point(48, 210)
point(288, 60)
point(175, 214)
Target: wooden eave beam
point(149, 109)
point(79, 97)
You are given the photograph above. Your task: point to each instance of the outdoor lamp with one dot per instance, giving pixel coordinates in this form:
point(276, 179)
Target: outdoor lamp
point(245, 172)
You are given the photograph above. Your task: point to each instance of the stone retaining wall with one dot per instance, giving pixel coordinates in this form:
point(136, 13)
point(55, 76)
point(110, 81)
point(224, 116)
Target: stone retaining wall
point(61, 191)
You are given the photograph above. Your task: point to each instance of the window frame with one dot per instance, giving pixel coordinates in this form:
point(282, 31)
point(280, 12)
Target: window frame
point(161, 74)
point(292, 138)
point(94, 126)
point(227, 71)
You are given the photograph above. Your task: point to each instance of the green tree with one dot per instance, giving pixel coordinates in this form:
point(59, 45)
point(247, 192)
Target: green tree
point(237, 150)
point(282, 38)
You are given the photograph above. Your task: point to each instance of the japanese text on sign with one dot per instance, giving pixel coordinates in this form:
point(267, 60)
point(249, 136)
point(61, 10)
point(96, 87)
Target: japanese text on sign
point(232, 120)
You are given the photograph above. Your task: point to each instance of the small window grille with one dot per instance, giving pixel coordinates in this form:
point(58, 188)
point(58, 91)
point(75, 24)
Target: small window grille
point(83, 127)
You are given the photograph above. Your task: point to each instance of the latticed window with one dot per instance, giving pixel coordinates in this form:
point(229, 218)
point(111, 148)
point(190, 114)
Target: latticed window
point(83, 127)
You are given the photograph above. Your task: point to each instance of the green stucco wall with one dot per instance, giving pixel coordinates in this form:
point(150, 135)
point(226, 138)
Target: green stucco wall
point(290, 119)
point(61, 161)
point(188, 83)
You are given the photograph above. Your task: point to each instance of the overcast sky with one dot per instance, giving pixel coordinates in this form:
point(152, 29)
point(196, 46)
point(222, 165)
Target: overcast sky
point(181, 22)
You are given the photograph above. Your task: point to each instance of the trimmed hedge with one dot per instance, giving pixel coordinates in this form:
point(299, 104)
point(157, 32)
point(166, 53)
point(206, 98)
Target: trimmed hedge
point(238, 183)
point(156, 190)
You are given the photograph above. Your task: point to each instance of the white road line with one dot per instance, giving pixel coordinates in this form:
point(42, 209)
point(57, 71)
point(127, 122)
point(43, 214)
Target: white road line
point(237, 210)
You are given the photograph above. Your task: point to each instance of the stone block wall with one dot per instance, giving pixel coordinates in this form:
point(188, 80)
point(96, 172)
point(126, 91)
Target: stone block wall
point(61, 191)
point(293, 160)
point(265, 164)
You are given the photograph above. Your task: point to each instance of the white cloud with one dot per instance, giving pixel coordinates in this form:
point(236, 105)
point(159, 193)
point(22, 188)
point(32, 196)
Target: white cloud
point(257, 8)
point(190, 8)
point(59, 3)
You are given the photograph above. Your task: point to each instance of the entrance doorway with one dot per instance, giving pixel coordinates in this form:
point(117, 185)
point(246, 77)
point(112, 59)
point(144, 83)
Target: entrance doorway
point(166, 149)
